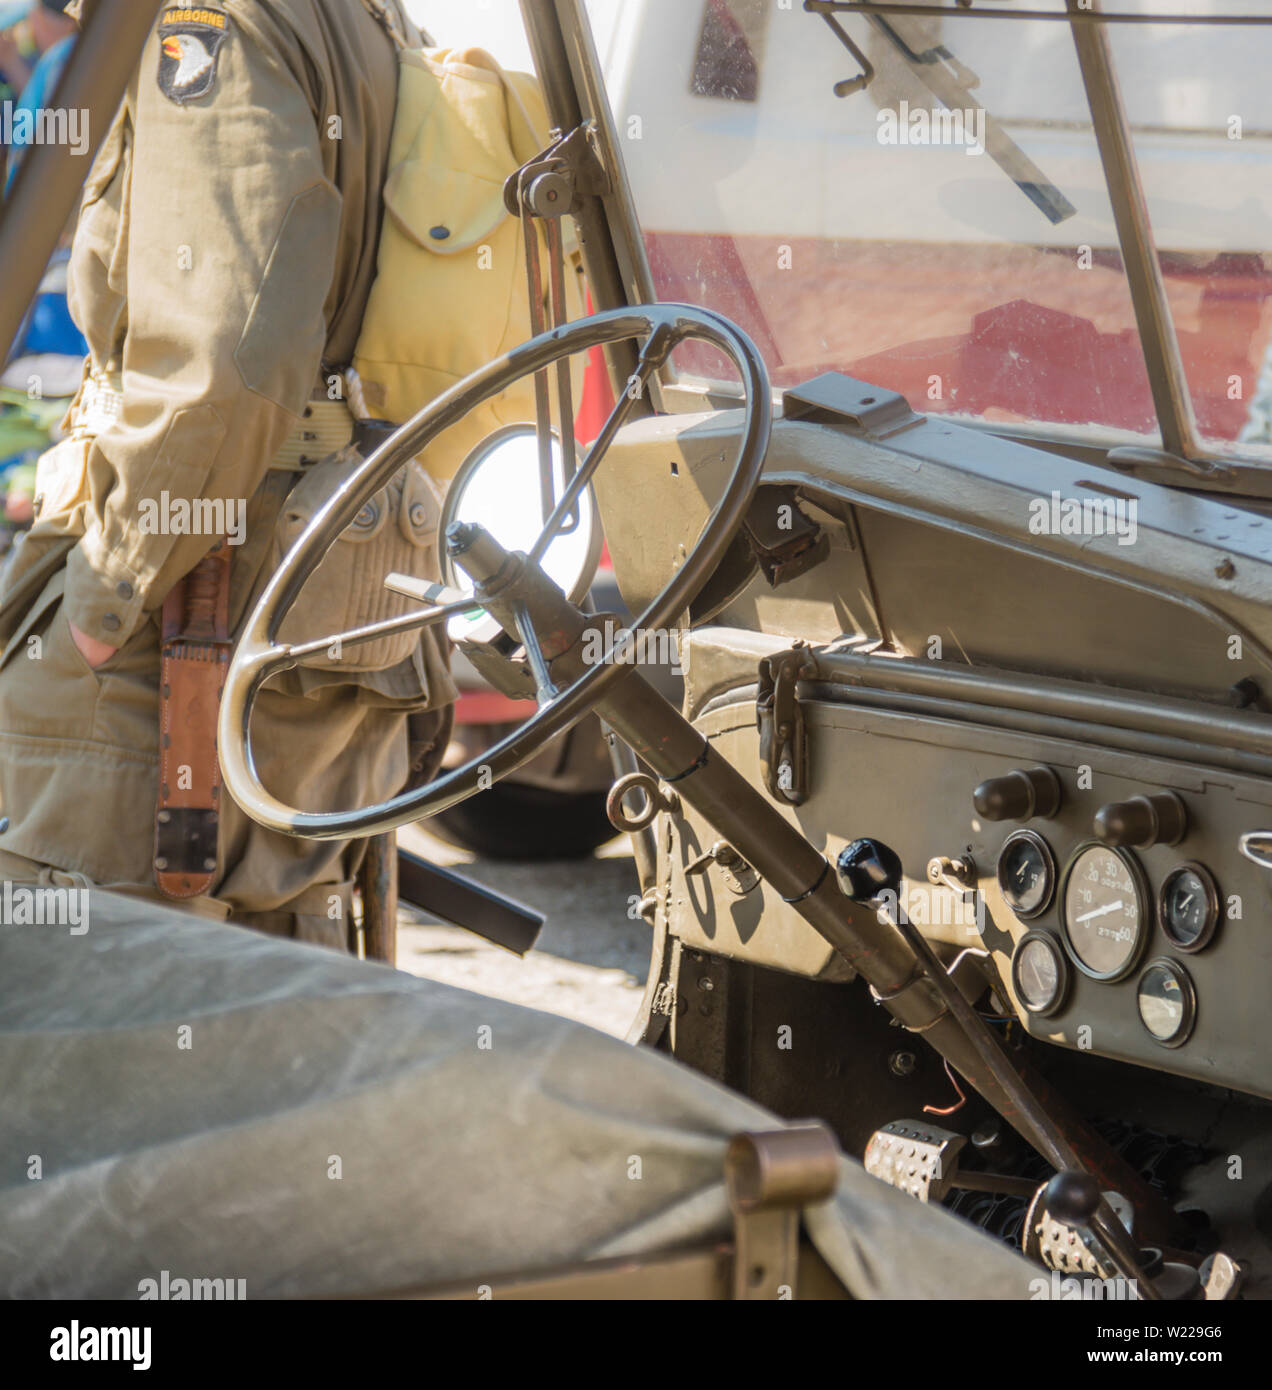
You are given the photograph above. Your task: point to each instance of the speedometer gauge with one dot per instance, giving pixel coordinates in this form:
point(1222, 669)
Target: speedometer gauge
point(1104, 911)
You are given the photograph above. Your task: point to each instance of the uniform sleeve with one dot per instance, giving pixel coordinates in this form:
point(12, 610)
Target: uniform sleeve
point(232, 229)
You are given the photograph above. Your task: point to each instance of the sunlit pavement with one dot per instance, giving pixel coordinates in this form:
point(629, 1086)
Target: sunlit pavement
point(591, 960)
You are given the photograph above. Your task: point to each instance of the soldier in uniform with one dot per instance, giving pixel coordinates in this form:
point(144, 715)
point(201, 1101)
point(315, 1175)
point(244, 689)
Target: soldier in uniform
point(222, 260)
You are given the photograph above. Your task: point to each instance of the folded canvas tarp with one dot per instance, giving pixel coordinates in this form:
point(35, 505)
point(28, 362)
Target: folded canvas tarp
point(216, 1103)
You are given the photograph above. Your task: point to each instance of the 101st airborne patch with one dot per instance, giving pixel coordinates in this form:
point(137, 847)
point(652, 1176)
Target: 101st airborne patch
point(189, 40)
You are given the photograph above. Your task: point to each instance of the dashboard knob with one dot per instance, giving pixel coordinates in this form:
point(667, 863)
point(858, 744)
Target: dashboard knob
point(867, 868)
point(1019, 795)
point(1143, 821)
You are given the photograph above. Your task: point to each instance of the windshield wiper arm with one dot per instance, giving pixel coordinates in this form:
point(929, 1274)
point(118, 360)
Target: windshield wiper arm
point(950, 82)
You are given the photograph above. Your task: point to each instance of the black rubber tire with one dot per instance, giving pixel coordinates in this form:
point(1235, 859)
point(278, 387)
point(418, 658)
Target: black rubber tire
point(513, 821)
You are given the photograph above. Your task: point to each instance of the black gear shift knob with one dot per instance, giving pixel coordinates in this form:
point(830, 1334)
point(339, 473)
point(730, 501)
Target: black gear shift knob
point(1072, 1197)
point(867, 868)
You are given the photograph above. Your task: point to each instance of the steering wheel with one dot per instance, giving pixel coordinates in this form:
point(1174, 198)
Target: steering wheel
point(660, 328)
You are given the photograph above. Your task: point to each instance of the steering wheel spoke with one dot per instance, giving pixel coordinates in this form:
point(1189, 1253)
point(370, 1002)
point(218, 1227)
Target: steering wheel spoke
point(658, 347)
point(512, 588)
point(386, 627)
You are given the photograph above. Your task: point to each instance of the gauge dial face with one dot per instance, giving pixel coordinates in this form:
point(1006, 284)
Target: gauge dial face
point(1167, 1002)
point(1026, 873)
point(1040, 973)
point(1188, 907)
point(1104, 911)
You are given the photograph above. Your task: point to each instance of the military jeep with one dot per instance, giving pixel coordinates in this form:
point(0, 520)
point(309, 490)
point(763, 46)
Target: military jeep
point(937, 349)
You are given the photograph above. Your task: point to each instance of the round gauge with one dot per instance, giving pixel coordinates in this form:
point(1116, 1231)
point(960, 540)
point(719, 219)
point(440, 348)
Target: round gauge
point(1167, 1002)
point(1188, 906)
point(1103, 911)
point(1040, 973)
point(1027, 873)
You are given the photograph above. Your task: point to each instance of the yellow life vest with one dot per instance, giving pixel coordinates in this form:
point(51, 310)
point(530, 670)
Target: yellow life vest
point(451, 291)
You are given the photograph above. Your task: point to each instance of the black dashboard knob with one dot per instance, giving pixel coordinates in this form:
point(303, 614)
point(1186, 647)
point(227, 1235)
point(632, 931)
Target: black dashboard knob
point(867, 868)
point(1143, 821)
point(1072, 1197)
point(1019, 795)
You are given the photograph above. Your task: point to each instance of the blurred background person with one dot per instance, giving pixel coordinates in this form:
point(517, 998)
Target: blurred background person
point(35, 77)
point(44, 363)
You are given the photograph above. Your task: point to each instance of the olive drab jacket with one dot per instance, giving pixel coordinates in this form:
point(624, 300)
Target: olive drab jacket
point(220, 271)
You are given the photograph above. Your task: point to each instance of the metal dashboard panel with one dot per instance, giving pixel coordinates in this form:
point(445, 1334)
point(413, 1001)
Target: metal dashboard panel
point(908, 780)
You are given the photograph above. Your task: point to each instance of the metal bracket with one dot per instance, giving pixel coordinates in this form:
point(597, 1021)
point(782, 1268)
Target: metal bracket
point(836, 399)
point(559, 178)
point(555, 182)
point(920, 1159)
point(739, 876)
point(186, 839)
point(785, 541)
point(770, 1177)
point(783, 735)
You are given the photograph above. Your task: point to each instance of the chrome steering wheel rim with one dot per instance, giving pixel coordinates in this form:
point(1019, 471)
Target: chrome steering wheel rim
point(258, 655)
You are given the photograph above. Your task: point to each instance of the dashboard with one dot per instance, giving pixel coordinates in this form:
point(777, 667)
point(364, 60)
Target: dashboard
point(957, 652)
point(1103, 889)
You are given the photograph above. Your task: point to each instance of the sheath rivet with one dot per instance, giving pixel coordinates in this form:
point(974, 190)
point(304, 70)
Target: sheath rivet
point(164, 817)
point(209, 864)
point(161, 863)
point(111, 622)
point(124, 589)
point(439, 233)
point(4, 824)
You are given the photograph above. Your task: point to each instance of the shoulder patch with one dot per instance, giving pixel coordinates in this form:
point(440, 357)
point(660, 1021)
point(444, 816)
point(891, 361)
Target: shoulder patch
point(190, 40)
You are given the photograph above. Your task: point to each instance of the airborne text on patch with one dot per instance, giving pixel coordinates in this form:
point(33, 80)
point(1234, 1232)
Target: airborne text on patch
point(212, 17)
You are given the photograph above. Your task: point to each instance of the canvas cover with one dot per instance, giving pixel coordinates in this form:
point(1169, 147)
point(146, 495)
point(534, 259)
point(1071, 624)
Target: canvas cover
point(216, 1103)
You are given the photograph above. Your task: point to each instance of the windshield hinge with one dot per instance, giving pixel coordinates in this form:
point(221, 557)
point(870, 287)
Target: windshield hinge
point(558, 179)
point(780, 720)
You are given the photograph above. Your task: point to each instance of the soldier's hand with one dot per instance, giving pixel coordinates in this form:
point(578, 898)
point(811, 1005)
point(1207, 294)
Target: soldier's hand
point(93, 651)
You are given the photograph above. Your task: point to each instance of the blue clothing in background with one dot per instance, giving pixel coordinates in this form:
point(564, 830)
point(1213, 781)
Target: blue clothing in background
point(37, 93)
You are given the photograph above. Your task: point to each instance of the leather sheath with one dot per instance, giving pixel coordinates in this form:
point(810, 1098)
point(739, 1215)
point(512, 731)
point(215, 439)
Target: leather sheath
point(194, 659)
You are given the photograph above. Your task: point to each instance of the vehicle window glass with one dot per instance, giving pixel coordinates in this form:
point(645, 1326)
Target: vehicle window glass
point(960, 251)
point(1199, 103)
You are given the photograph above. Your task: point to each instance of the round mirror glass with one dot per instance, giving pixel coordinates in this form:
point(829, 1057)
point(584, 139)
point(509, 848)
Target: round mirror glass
point(497, 487)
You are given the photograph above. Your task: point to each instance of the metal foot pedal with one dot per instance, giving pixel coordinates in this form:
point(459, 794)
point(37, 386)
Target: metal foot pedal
point(921, 1159)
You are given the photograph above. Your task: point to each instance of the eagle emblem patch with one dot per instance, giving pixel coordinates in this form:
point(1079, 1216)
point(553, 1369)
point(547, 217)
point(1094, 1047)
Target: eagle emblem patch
point(189, 41)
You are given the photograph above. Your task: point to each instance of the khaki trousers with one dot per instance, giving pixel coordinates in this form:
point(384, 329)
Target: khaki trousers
point(79, 779)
